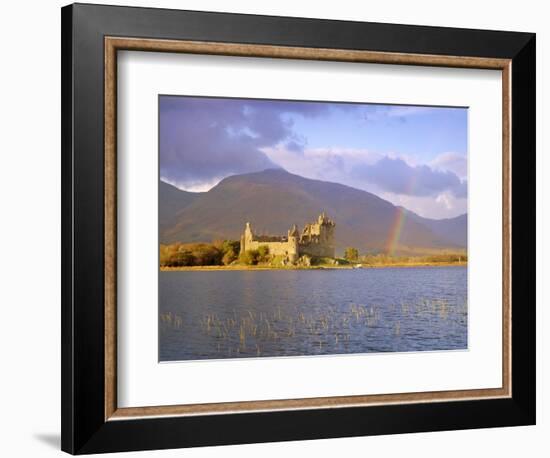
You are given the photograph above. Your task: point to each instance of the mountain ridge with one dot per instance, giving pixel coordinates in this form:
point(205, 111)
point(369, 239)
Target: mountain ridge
point(274, 199)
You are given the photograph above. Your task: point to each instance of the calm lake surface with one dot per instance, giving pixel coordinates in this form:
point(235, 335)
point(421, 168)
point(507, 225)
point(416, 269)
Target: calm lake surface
point(236, 314)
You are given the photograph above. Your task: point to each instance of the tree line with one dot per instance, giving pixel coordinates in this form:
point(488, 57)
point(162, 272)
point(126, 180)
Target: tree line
point(218, 253)
point(352, 254)
point(226, 252)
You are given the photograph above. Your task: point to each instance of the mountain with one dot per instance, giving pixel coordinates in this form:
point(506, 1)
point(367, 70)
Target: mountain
point(171, 201)
point(455, 230)
point(273, 200)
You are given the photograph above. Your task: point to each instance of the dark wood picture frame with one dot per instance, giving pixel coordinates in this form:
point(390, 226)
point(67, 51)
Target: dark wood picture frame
point(91, 37)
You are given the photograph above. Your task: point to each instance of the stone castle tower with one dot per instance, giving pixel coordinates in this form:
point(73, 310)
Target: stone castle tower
point(316, 240)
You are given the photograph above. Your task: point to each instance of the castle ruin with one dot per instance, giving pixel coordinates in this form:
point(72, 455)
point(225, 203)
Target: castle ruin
point(315, 241)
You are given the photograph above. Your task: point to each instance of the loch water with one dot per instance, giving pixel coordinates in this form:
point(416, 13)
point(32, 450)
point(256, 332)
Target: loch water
point(272, 313)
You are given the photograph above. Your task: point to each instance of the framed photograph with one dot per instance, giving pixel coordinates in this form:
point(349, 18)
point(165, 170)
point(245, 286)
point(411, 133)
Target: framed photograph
point(283, 228)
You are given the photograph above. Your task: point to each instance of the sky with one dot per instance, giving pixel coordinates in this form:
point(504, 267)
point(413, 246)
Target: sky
point(414, 156)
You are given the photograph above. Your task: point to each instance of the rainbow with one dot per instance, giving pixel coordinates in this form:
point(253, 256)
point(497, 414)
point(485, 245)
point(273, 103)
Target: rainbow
point(392, 243)
point(395, 231)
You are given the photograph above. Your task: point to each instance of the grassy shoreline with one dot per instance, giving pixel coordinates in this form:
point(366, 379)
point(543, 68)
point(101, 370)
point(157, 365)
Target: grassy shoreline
point(320, 267)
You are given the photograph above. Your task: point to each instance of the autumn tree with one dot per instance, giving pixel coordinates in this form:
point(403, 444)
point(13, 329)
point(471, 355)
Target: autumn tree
point(249, 257)
point(351, 254)
point(263, 253)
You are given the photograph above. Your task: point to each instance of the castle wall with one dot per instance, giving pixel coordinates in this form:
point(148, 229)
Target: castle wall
point(317, 240)
point(316, 250)
point(275, 248)
point(312, 248)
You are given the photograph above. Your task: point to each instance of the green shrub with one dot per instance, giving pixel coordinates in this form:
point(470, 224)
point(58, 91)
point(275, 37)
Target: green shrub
point(229, 257)
point(182, 258)
point(351, 254)
point(249, 257)
point(198, 254)
point(206, 255)
point(263, 253)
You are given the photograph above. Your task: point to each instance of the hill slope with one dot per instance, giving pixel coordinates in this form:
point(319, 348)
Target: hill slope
point(455, 230)
point(171, 201)
point(273, 200)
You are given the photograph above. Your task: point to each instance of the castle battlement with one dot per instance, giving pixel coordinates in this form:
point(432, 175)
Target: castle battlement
point(315, 240)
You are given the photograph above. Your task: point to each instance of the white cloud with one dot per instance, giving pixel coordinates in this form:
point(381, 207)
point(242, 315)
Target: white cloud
point(194, 186)
point(444, 205)
point(452, 162)
point(444, 199)
point(329, 164)
point(342, 165)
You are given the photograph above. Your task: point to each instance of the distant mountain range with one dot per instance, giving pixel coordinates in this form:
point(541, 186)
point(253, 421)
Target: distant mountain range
point(453, 229)
point(273, 200)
